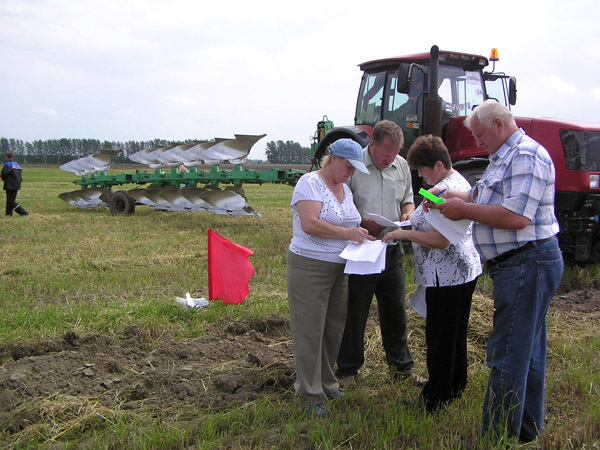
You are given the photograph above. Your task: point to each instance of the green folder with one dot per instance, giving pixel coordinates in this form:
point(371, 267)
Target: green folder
point(431, 197)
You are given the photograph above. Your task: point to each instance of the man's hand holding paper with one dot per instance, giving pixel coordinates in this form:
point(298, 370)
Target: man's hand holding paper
point(374, 228)
point(380, 220)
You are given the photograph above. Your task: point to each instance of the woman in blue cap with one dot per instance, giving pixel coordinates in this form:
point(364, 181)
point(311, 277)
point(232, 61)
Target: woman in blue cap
point(324, 221)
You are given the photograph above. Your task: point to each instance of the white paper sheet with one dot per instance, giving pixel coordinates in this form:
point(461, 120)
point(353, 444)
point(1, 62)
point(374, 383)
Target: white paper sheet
point(417, 301)
point(452, 230)
point(367, 251)
point(365, 258)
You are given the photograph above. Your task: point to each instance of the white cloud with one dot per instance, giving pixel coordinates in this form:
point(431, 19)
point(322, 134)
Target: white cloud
point(180, 100)
point(557, 85)
point(46, 112)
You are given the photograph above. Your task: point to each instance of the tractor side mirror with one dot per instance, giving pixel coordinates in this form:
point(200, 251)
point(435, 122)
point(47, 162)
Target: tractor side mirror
point(403, 78)
point(512, 90)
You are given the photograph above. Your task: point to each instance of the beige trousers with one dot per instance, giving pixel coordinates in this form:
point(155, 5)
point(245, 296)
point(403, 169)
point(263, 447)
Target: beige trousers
point(318, 299)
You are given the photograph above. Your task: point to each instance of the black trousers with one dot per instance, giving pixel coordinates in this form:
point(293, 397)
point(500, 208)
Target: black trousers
point(11, 203)
point(389, 289)
point(448, 311)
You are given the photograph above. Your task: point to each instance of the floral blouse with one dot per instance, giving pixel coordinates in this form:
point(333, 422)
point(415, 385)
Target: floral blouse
point(457, 264)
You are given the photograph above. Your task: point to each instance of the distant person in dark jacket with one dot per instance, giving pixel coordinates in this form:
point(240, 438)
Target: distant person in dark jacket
point(12, 177)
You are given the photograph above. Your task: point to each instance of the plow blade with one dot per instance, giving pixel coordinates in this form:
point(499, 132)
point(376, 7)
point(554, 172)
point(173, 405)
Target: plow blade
point(87, 198)
point(91, 163)
point(174, 154)
point(153, 157)
point(159, 202)
point(219, 151)
point(192, 196)
point(194, 156)
point(233, 150)
point(193, 199)
point(231, 201)
point(180, 203)
point(142, 196)
point(226, 201)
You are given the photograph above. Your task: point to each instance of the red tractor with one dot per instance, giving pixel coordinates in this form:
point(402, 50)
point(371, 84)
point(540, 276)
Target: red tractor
point(432, 93)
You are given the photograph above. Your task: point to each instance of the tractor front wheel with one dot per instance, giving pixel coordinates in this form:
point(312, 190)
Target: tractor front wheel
point(121, 204)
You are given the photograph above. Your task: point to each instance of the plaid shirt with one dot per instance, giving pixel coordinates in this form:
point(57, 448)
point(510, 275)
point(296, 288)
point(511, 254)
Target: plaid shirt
point(382, 192)
point(520, 177)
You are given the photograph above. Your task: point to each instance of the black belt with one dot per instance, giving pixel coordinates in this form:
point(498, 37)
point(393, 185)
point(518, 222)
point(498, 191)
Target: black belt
point(509, 254)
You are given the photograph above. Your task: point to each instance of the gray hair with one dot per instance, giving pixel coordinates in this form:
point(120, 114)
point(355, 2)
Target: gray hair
point(488, 111)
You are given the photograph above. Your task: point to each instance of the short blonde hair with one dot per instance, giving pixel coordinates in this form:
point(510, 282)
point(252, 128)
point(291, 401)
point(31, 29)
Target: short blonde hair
point(326, 160)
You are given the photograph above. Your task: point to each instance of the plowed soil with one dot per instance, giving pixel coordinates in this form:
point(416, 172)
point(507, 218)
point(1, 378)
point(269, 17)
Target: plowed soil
point(233, 363)
point(137, 370)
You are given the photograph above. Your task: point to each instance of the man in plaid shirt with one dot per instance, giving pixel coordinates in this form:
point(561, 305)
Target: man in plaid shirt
point(514, 230)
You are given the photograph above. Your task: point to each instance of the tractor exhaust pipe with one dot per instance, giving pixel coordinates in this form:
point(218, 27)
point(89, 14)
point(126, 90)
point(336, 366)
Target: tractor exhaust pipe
point(433, 102)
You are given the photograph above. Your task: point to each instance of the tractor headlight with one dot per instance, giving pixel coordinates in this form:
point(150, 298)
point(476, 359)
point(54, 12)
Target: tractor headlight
point(594, 181)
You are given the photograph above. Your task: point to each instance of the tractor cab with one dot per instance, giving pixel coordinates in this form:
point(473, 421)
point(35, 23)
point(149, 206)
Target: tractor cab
point(397, 89)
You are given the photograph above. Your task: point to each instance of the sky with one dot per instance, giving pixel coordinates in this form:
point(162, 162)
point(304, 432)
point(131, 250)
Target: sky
point(122, 70)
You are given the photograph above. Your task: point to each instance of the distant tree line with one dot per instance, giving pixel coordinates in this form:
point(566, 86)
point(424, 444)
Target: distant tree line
point(288, 152)
point(60, 151)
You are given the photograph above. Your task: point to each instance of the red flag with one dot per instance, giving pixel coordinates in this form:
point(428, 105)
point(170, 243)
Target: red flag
point(229, 270)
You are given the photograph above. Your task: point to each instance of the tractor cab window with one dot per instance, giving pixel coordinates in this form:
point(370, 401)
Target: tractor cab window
point(461, 90)
point(501, 87)
point(404, 108)
point(370, 99)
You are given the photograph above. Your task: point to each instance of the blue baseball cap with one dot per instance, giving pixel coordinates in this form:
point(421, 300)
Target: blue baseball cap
point(352, 151)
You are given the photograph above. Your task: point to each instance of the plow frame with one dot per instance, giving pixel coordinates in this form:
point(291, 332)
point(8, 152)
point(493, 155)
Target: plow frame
point(213, 177)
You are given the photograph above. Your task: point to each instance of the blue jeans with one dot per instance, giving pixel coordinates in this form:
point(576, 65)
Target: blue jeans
point(516, 352)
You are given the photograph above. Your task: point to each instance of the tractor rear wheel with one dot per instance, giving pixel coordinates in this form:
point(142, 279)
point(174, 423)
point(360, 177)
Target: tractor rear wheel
point(121, 204)
point(472, 175)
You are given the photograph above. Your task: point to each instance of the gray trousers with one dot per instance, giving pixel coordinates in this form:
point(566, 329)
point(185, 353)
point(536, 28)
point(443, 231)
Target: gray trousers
point(318, 299)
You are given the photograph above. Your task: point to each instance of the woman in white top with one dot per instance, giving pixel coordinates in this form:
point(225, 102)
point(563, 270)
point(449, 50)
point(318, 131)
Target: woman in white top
point(449, 272)
point(324, 221)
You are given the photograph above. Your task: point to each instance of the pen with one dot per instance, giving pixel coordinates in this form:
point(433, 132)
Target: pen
point(441, 192)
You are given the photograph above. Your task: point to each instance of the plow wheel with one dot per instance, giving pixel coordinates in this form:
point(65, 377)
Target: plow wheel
point(121, 204)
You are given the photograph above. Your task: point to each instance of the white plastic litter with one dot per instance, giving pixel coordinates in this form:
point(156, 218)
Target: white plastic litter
point(192, 302)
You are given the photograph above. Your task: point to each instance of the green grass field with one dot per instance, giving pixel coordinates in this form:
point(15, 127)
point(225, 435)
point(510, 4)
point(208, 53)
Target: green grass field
point(64, 269)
